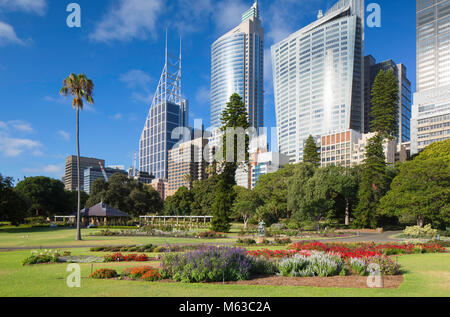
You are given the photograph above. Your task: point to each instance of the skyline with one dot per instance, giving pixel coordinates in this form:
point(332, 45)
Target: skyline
point(37, 126)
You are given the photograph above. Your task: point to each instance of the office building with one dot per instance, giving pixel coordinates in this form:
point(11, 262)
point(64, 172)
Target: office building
point(161, 186)
point(71, 173)
point(237, 66)
point(267, 163)
point(372, 68)
point(318, 77)
point(431, 110)
point(187, 164)
point(91, 174)
point(167, 113)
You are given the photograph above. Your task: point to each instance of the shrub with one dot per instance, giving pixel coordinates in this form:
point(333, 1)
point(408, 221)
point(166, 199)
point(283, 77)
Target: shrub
point(263, 267)
point(387, 265)
point(119, 257)
point(209, 264)
point(104, 274)
point(417, 232)
point(318, 264)
point(210, 235)
point(138, 272)
point(283, 241)
point(38, 257)
point(358, 266)
point(248, 241)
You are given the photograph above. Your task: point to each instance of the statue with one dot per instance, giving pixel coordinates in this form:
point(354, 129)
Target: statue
point(261, 230)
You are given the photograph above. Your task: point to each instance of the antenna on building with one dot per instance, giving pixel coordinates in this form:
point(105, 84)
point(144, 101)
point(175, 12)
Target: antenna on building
point(103, 171)
point(134, 164)
point(320, 14)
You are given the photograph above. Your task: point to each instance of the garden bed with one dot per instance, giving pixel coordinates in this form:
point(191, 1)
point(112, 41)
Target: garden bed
point(353, 281)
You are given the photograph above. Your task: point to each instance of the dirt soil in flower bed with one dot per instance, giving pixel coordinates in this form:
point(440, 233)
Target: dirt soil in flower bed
point(354, 281)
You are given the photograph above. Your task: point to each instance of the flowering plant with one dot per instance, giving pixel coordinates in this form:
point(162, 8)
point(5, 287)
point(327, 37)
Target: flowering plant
point(119, 257)
point(104, 274)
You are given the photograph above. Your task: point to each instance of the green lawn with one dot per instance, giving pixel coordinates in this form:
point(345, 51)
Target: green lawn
point(427, 275)
point(48, 237)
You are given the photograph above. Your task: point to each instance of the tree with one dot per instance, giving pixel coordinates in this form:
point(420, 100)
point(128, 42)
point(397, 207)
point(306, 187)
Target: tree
point(179, 204)
point(81, 88)
point(203, 195)
point(346, 182)
point(46, 196)
point(72, 202)
point(13, 206)
point(233, 117)
point(245, 204)
point(422, 188)
point(385, 103)
point(127, 195)
point(374, 183)
point(310, 152)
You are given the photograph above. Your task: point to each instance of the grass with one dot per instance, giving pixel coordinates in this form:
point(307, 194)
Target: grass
point(426, 275)
point(51, 237)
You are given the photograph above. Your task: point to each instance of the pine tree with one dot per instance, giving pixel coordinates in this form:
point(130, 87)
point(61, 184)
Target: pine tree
point(373, 183)
point(310, 153)
point(234, 116)
point(385, 103)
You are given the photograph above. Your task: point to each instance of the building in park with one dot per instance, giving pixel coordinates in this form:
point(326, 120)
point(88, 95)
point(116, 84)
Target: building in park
point(372, 68)
point(187, 164)
point(318, 77)
point(92, 173)
point(348, 148)
point(102, 214)
point(267, 163)
point(70, 177)
point(237, 66)
point(431, 109)
point(168, 112)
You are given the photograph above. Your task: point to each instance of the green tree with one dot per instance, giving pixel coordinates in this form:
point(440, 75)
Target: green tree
point(179, 204)
point(245, 204)
point(13, 206)
point(310, 152)
point(296, 189)
point(81, 88)
point(46, 196)
point(203, 193)
point(422, 188)
point(374, 183)
point(234, 117)
point(385, 103)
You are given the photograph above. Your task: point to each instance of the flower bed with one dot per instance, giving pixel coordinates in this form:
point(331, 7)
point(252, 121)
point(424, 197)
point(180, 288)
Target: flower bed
point(209, 264)
point(44, 256)
point(104, 274)
point(119, 257)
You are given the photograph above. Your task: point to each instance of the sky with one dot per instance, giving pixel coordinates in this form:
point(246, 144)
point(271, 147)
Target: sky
point(120, 46)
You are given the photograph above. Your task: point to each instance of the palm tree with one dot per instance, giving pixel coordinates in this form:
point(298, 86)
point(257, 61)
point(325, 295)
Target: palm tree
point(81, 88)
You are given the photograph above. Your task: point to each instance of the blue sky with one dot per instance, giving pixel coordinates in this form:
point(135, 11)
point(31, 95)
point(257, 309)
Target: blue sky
point(120, 46)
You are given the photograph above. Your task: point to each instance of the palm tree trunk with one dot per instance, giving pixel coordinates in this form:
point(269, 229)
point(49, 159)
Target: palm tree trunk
point(78, 238)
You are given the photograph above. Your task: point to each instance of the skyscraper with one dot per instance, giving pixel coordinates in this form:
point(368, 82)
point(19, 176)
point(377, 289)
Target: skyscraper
point(167, 112)
point(237, 66)
point(318, 78)
point(372, 68)
point(431, 110)
point(71, 174)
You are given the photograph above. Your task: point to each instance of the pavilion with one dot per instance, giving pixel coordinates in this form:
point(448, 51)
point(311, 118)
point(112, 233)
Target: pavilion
point(102, 214)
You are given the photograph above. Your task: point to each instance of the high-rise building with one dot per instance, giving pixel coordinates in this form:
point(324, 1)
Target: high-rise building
point(372, 68)
point(318, 78)
point(91, 174)
point(71, 175)
point(187, 164)
point(267, 163)
point(167, 113)
point(431, 110)
point(237, 66)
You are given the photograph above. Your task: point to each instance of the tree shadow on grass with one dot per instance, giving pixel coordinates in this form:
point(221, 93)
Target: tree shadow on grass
point(33, 230)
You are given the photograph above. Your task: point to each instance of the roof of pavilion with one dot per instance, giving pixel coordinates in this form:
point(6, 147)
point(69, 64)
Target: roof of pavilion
point(103, 210)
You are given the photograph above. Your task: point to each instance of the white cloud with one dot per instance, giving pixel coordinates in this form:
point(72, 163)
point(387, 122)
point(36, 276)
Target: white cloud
point(136, 79)
point(64, 135)
point(203, 96)
point(227, 14)
point(146, 98)
point(117, 116)
point(8, 35)
point(29, 6)
point(49, 169)
point(13, 147)
point(128, 20)
point(17, 125)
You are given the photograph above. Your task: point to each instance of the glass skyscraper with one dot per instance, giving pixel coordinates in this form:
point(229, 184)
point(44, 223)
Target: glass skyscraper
point(372, 68)
point(431, 110)
point(237, 66)
point(319, 78)
point(167, 112)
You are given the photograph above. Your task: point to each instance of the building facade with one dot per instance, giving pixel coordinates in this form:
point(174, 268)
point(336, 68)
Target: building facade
point(237, 66)
point(431, 110)
point(161, 186)
point(187, 164)
point(372, 68)
point(267, 163)
point(71, 172)
point(168, 112)
point(318, 78)
point(91, 174)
